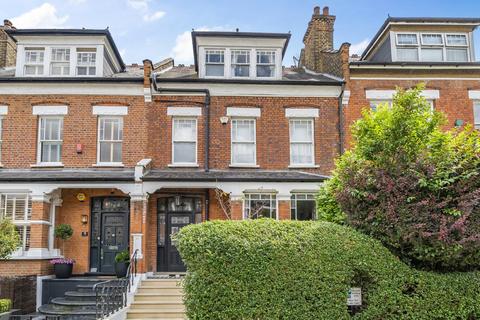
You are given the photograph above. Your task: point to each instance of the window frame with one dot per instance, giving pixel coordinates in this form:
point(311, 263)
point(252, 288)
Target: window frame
point(312, 124)
point(442, 36)
point(249, 64)
point(294, 206)
point(78, 64)
point(274, 64)
point(476, 106)
point(184, 164)
point(466, 45)
point(272, 197)
point(24, 223)
point(110, 163)
point(232, 142)
point(40, 141)
point(37, 64)
point(67, 61)
point(407, 44)
point(224, 51)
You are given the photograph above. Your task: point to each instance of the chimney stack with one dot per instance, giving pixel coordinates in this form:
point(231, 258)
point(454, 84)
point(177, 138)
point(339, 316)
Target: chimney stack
point(325, 11)
point(8, 47)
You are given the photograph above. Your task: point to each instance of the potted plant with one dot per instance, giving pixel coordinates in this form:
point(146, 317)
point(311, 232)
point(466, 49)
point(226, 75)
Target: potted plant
point(122, 261)
point(63, 267)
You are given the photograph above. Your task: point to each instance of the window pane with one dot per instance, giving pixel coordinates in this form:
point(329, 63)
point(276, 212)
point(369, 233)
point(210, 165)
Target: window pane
point(301, 153)
point(184, 130)
point(51, 151)
point(476, 115)
point(184, 152)
point(214, 70)
point(243, 130)
point(105, 154)
point(456, 39)
point(243, 153)
point(407, 54)
point(240, 71)
point(301, 130)
point(432, 39)
point(306, 210)
point(117, 152)
point(266, 57)
point(214, 56)
point(457, 55)
point(407, 39)
point(265, 71)
point(431, 54)
point(240, 57)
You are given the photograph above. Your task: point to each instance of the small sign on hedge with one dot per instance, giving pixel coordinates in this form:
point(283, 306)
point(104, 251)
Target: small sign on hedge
point(354, 297)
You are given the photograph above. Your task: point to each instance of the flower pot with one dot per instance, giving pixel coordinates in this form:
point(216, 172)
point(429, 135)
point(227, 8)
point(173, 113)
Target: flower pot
point(63, 270)
point(121, 269)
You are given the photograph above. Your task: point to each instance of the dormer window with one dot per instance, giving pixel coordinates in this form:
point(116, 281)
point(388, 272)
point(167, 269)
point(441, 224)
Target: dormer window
point(86, 60)
point(34, 61)
point(407, 39)
point(60, 62)
point(240, 63)
point(265, 63)
point(214, 63)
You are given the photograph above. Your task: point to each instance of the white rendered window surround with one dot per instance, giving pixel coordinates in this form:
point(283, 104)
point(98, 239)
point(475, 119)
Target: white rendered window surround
point(431, 47)
point(50, 140)
point(17, 207)
point(377, 97)
point(243, 142)
point(184, 141)
point(302, 142)
point(260, 205)
point(184, 111)
point(110, 140)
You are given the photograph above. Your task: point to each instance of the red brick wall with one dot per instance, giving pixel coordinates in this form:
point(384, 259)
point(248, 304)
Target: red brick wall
point(453, 101)
point(272, 130)
point(39, 232)
point(13, 268)
point(20, 127)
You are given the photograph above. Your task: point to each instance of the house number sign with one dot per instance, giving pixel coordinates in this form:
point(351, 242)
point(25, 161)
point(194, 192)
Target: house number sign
point(354, 297)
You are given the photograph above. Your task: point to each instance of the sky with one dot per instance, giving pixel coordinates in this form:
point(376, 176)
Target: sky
point(158, 29)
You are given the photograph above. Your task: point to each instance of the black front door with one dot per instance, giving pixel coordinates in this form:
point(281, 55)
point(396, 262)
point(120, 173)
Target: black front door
point(109, 234)
point(175, 222)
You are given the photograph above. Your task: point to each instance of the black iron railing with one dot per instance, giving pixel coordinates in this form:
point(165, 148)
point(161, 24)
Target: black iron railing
point(111, 295)
point(34, 317)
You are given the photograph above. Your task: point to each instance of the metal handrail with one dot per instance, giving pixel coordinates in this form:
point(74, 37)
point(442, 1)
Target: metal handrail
point(111, 295)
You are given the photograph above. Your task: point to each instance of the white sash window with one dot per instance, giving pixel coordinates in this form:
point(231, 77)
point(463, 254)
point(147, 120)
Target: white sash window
point(243, 142)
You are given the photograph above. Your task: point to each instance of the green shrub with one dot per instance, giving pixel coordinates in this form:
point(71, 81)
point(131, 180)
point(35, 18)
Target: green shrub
point(9, 238)
point(63, 231)
point(5, 305)
point(266, 269)
point(411, 185)
point(123, 256)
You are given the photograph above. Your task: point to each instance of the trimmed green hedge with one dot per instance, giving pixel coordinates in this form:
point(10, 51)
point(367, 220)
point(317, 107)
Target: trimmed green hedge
point(5, 305)
point(266, 269)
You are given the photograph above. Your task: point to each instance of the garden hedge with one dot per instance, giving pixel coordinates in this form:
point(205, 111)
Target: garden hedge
point(266, 269)
point(5, 305)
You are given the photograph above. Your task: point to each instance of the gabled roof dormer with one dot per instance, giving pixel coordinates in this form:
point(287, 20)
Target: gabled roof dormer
point(239, 55)
point(423, 40)
point(66, 53)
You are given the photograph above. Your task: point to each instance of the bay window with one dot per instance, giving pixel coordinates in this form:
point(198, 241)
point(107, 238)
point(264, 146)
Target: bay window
point(50, 138)
point(260, 205)
point(265, 63)
point(243, 137)
point(110, 138)
point(301, 142)
point(17, 207)
point(214, 63)
point(303, 206)
point(34, 58)
point(60, 62)
point(240, 63)
point(184, 140)
point(86, 61)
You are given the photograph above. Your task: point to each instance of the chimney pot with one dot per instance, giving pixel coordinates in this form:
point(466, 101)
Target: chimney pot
point(316, 11)
point(325, 11)
point(7, 24)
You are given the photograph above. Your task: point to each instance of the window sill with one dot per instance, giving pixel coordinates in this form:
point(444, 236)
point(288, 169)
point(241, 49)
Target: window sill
point(244, 166)
point(183, 165)
point(47, 165)
point(303, 166)
point(108, 165)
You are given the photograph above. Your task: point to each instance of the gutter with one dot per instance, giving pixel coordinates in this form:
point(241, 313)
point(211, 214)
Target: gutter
point(206, 105)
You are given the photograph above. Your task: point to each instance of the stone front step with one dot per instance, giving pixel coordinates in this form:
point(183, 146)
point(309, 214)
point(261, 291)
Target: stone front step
point(156, 313)
point(161, 290)
point(160, 283)
point(67, 302)
point(163, 305)
point(157, 297)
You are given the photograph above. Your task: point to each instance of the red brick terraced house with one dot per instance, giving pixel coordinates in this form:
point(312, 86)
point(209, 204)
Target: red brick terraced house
point(128, 155)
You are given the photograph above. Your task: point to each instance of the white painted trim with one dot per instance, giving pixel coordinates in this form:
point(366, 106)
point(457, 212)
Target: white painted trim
point(256, 90)
point(137, 239)
point(32, 88)
point(425, 65)
point(184, 164)
point(474, 94)
point(301, 113)
point(110, 110)
point(243, 112)
point(3, 110)
point(388, 94)
point(346, 97)
point(184, 111)
point(147, 94)
point(49, 110)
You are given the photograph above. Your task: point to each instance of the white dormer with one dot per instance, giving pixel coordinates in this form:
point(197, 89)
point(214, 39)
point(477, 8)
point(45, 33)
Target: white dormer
point(66, 53)
point(239, 55)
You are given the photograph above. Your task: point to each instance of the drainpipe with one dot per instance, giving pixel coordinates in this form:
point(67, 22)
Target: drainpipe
point(206, 105)
point(340, 121)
